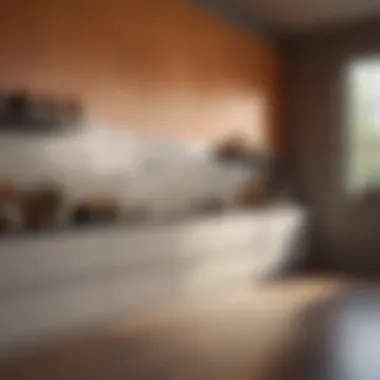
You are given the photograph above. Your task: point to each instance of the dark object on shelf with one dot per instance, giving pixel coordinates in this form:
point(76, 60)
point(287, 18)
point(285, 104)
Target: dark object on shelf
point(18, 106)
point(95, 211)
point(20, 111)
point(252, 194)
point(83, 214)
point(229, 150)
point(10, 213)
point(234, 150)
point(42, 208)
point(263, 164)
point(3, 104)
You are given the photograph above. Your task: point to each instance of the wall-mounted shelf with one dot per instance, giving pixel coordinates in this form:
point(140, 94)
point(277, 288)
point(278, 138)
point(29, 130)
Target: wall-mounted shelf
point(23, 112)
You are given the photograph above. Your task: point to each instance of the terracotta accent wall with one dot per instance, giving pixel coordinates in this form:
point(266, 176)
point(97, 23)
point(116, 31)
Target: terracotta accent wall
point(153, 65)
point(348, 228)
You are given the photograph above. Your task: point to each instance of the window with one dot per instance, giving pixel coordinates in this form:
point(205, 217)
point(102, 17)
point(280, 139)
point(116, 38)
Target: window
point(363, 117)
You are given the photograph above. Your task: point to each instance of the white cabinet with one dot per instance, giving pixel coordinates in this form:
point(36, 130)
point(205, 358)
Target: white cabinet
point(52, 283)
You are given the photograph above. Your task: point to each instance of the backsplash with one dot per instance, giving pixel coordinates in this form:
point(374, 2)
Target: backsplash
point(134, 170)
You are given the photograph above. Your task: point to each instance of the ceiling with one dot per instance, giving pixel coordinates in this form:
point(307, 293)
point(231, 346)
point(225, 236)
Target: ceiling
point(299, 15)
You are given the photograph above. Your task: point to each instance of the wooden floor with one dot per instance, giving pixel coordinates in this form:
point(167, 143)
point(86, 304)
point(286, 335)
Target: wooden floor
point(247, 334)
